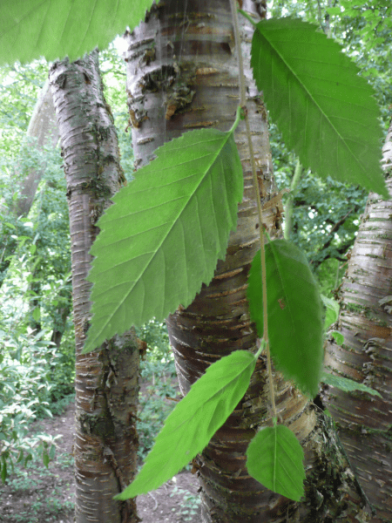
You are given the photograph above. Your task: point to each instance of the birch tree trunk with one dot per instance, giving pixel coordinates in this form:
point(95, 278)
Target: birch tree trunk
point(43, 127)
point(106, 380)
point(365, 422)
point(183, 75)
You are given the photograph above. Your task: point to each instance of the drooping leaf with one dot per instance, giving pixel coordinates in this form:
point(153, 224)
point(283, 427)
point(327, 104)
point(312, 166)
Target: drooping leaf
point(325, 111)
point(45, 459)
point(346, 385)
point(294, 313)
point(163, 236)
point(194, 421)
point(37, 314)
point(332, 311)
point(4, 473)
point(58, 28)
point(275, 459)
point(338, 336)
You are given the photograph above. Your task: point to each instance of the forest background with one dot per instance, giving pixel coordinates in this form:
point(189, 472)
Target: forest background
point(36, 329)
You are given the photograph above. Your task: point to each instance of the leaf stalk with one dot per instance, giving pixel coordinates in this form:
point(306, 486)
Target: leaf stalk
point(256, 188)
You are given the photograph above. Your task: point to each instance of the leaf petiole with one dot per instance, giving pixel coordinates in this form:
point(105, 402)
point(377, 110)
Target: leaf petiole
point(248, 17)
point(238, 117)
point(260, 350)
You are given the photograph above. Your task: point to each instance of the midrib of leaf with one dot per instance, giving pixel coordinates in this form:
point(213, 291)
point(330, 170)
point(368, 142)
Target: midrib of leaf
point(181, 211)
point(217, 393)
point(303, 85)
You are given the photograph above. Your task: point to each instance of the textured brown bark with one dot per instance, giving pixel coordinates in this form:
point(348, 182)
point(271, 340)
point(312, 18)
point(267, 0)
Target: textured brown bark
point(183, 75)
point(365, 422)
point(106, 380)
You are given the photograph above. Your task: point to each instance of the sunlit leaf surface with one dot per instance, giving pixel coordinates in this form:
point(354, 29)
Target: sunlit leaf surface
point(325, 111)
point(275, 459)
point(58, 28)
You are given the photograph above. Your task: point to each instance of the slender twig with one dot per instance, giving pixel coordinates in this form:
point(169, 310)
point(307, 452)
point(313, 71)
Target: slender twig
point(155, 499)
point(257, 197)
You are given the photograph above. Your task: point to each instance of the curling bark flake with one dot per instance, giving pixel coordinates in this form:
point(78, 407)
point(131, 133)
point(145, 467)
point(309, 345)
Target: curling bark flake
point(106, 380)
point(182, 75)
point(365, 421)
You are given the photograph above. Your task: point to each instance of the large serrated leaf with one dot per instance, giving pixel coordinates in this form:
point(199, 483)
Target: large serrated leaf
point(275, 459)
point(56, 28)
point(294, 313)
point(162, 238)
point(194, 421)
point(347, 385)
point(325, 111)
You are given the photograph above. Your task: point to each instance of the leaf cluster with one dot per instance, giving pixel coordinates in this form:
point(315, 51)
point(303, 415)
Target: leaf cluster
point(161, 239)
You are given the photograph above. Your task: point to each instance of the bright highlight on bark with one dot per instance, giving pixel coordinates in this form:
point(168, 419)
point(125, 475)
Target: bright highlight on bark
point(275, 459)
point(294, 313)
point(194, 421)
point(162, 238)
point(59, 28)
point(326, 112)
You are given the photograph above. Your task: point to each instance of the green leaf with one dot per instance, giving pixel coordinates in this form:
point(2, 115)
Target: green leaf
point(37, 314)
point(339, 338)
point(333, 10)
point(162, 238)
point(4, 473)
point(56, 28)
point(325, 111)
point(45, 459)
point(332, 311)
point(294, 313)
point(275, 459)
point(346, 385)
point(194, 421)
point(52, 452)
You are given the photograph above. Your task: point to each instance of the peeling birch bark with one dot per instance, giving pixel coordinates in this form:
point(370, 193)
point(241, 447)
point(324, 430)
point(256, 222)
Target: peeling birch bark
point(107, 379)
point(182, 75)
point(365, 421)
